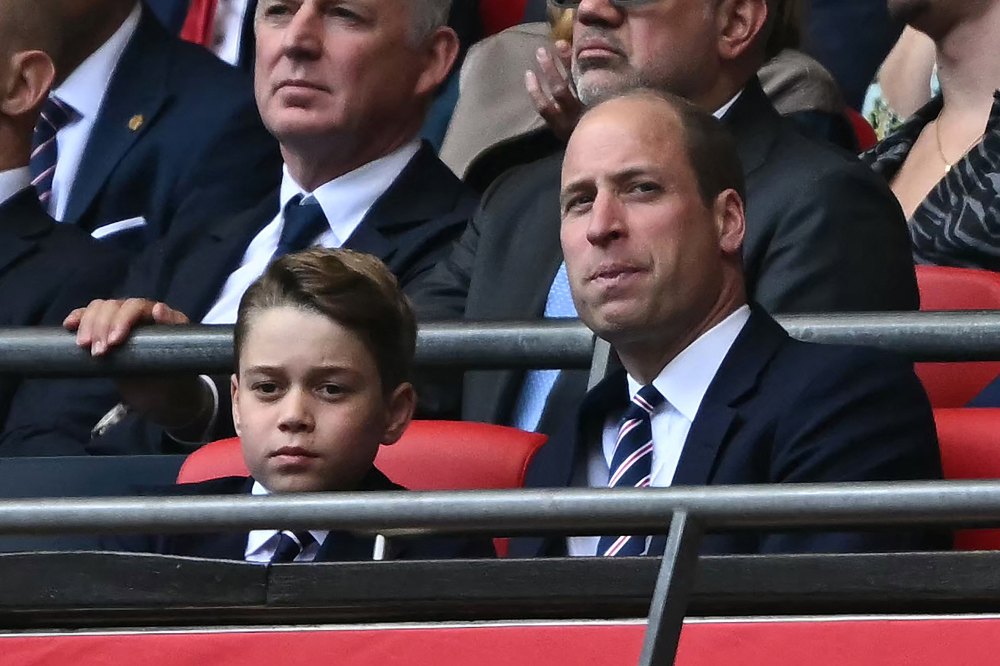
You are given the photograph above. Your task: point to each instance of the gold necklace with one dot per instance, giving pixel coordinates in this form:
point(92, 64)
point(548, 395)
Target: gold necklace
point(937, 134)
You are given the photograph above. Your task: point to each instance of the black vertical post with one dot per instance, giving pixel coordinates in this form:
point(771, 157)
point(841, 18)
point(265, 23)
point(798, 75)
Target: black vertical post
point(673, 588)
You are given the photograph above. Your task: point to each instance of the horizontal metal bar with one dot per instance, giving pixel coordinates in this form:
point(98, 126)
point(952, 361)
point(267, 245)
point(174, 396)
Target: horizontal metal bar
point(923, 336)
point(514, 512)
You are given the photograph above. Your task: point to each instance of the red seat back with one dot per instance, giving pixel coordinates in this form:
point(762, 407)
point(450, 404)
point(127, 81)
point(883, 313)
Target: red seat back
point(432, 455)
point(945, 288)
point(863, 131)
point(970, 449)
point(498, 15)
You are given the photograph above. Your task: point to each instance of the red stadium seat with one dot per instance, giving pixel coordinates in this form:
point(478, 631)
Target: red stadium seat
point(498, 15)
point(432, 455)
point(863, 131)
point(945, 288)
point(970, 449)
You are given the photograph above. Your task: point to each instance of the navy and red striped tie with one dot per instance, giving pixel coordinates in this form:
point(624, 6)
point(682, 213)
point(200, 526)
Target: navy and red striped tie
point(632, 464)
point(56, 114)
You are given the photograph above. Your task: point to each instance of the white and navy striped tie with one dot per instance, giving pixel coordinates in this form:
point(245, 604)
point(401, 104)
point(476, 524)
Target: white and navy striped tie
point(632, 464)
point(56, 114)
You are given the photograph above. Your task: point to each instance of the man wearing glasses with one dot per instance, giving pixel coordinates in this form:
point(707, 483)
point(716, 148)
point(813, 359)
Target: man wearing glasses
point(822, 233)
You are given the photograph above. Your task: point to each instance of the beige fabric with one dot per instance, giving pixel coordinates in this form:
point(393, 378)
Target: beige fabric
point(796, 82)
point(493, 105)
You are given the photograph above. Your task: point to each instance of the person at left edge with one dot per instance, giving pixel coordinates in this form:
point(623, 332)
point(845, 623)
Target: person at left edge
point(148, 128)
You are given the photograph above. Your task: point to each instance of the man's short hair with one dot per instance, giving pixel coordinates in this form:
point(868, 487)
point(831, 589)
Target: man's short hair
point(353, 289)
point(427, 16)
point(710, 146)
point(29, 25)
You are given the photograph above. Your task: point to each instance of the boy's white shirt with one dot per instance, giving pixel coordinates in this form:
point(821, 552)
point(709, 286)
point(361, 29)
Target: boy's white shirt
point(262, 543)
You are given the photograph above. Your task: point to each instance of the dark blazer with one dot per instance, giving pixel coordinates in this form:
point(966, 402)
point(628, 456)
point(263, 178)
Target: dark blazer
point(779, 411)
point(410, 227)
point(823, 234)
point(338, 546)
point(178, 133)
point(46, 270)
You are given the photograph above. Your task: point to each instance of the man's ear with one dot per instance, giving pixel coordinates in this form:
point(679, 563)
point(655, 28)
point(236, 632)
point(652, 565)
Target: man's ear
point(31, 77)
point(439, 52)
point(741, 26)
point(400, 406)
point(234, 394)
point(730, 221)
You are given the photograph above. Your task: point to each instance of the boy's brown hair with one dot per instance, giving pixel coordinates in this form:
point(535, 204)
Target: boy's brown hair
point(355, 290)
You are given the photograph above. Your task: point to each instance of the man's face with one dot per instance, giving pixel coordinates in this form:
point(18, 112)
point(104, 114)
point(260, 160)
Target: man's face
point(310, 415)
point(643, 250)
point(335, 67)
point(668, 45)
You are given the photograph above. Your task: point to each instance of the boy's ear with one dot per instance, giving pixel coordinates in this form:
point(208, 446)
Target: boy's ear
point(234, 392)
point(399, 411)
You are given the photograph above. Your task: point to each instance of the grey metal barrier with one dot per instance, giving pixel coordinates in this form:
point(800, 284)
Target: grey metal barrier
point(922, 336)
point(686, 513)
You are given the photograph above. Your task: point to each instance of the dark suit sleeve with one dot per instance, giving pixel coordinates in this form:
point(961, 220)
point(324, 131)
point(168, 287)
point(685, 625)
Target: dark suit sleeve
point(441, 293)
point(841, 245)
point(864, 417)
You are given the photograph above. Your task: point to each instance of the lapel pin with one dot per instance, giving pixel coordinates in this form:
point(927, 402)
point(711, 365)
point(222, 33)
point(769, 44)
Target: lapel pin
point(135, 122)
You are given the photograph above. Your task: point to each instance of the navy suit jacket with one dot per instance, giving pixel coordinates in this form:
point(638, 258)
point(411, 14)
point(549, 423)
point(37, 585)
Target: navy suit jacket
point(178, 133)
point(410, 227)
point(338, 546)
point(779, 411)
point(46, 270)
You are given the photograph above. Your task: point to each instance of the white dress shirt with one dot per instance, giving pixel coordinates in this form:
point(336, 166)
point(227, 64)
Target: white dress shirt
point(227, 31)
point(84, 90)
point(13, 181)
point(345, 202)
point(683, 383)
point(261, 544)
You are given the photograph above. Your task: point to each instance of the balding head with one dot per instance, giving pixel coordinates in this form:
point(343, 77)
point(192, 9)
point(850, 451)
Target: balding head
point(28, 25)
point(652, 226)
point(27, 40)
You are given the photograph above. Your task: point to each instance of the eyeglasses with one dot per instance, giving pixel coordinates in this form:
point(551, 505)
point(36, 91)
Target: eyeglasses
point(620, 4)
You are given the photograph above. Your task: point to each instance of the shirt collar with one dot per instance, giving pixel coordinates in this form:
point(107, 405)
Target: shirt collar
point(13, 181)
point(258, 538)
point(350, 196)
point(85, 87)
point(722, 110)
point(685, 380)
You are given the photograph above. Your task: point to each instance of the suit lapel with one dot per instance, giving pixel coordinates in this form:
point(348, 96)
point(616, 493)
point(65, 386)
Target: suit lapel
point(136, 95)
point(754, 122)
point(718, 417)
point(348, 547)
point(212, 256)
point(22, 223)
point(401, 205)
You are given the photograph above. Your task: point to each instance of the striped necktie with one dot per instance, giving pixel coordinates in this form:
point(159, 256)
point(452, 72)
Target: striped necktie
point(290, 545)
point(56, 114)
point(632, 463)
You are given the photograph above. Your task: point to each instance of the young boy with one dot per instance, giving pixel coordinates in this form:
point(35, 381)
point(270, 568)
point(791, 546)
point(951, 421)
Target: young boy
point(324, 344)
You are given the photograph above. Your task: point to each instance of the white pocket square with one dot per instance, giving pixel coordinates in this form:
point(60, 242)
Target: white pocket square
point(118, 227)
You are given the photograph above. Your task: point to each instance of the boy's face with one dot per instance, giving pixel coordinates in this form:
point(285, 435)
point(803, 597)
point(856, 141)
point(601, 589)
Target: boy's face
point(308, 403)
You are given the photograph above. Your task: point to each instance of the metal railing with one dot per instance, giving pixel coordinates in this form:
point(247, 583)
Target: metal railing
point(922, 336)
point(686, 513)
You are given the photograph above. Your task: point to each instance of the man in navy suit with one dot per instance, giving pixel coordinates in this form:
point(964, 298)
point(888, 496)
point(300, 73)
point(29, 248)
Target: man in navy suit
point(345, 93)
point(712, 390)
point(45, 268)
point(148, 128)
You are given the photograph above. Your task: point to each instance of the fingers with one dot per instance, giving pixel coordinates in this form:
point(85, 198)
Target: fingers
point(551, 90)
point(105, 324)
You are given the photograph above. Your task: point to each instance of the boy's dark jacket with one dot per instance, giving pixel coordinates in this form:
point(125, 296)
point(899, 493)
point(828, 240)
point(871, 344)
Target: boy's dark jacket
point(338, 546)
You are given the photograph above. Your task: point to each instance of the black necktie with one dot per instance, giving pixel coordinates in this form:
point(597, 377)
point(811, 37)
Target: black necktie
point(303, 222)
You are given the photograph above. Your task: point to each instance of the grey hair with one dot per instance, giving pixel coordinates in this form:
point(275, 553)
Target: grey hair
point(426, 17)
